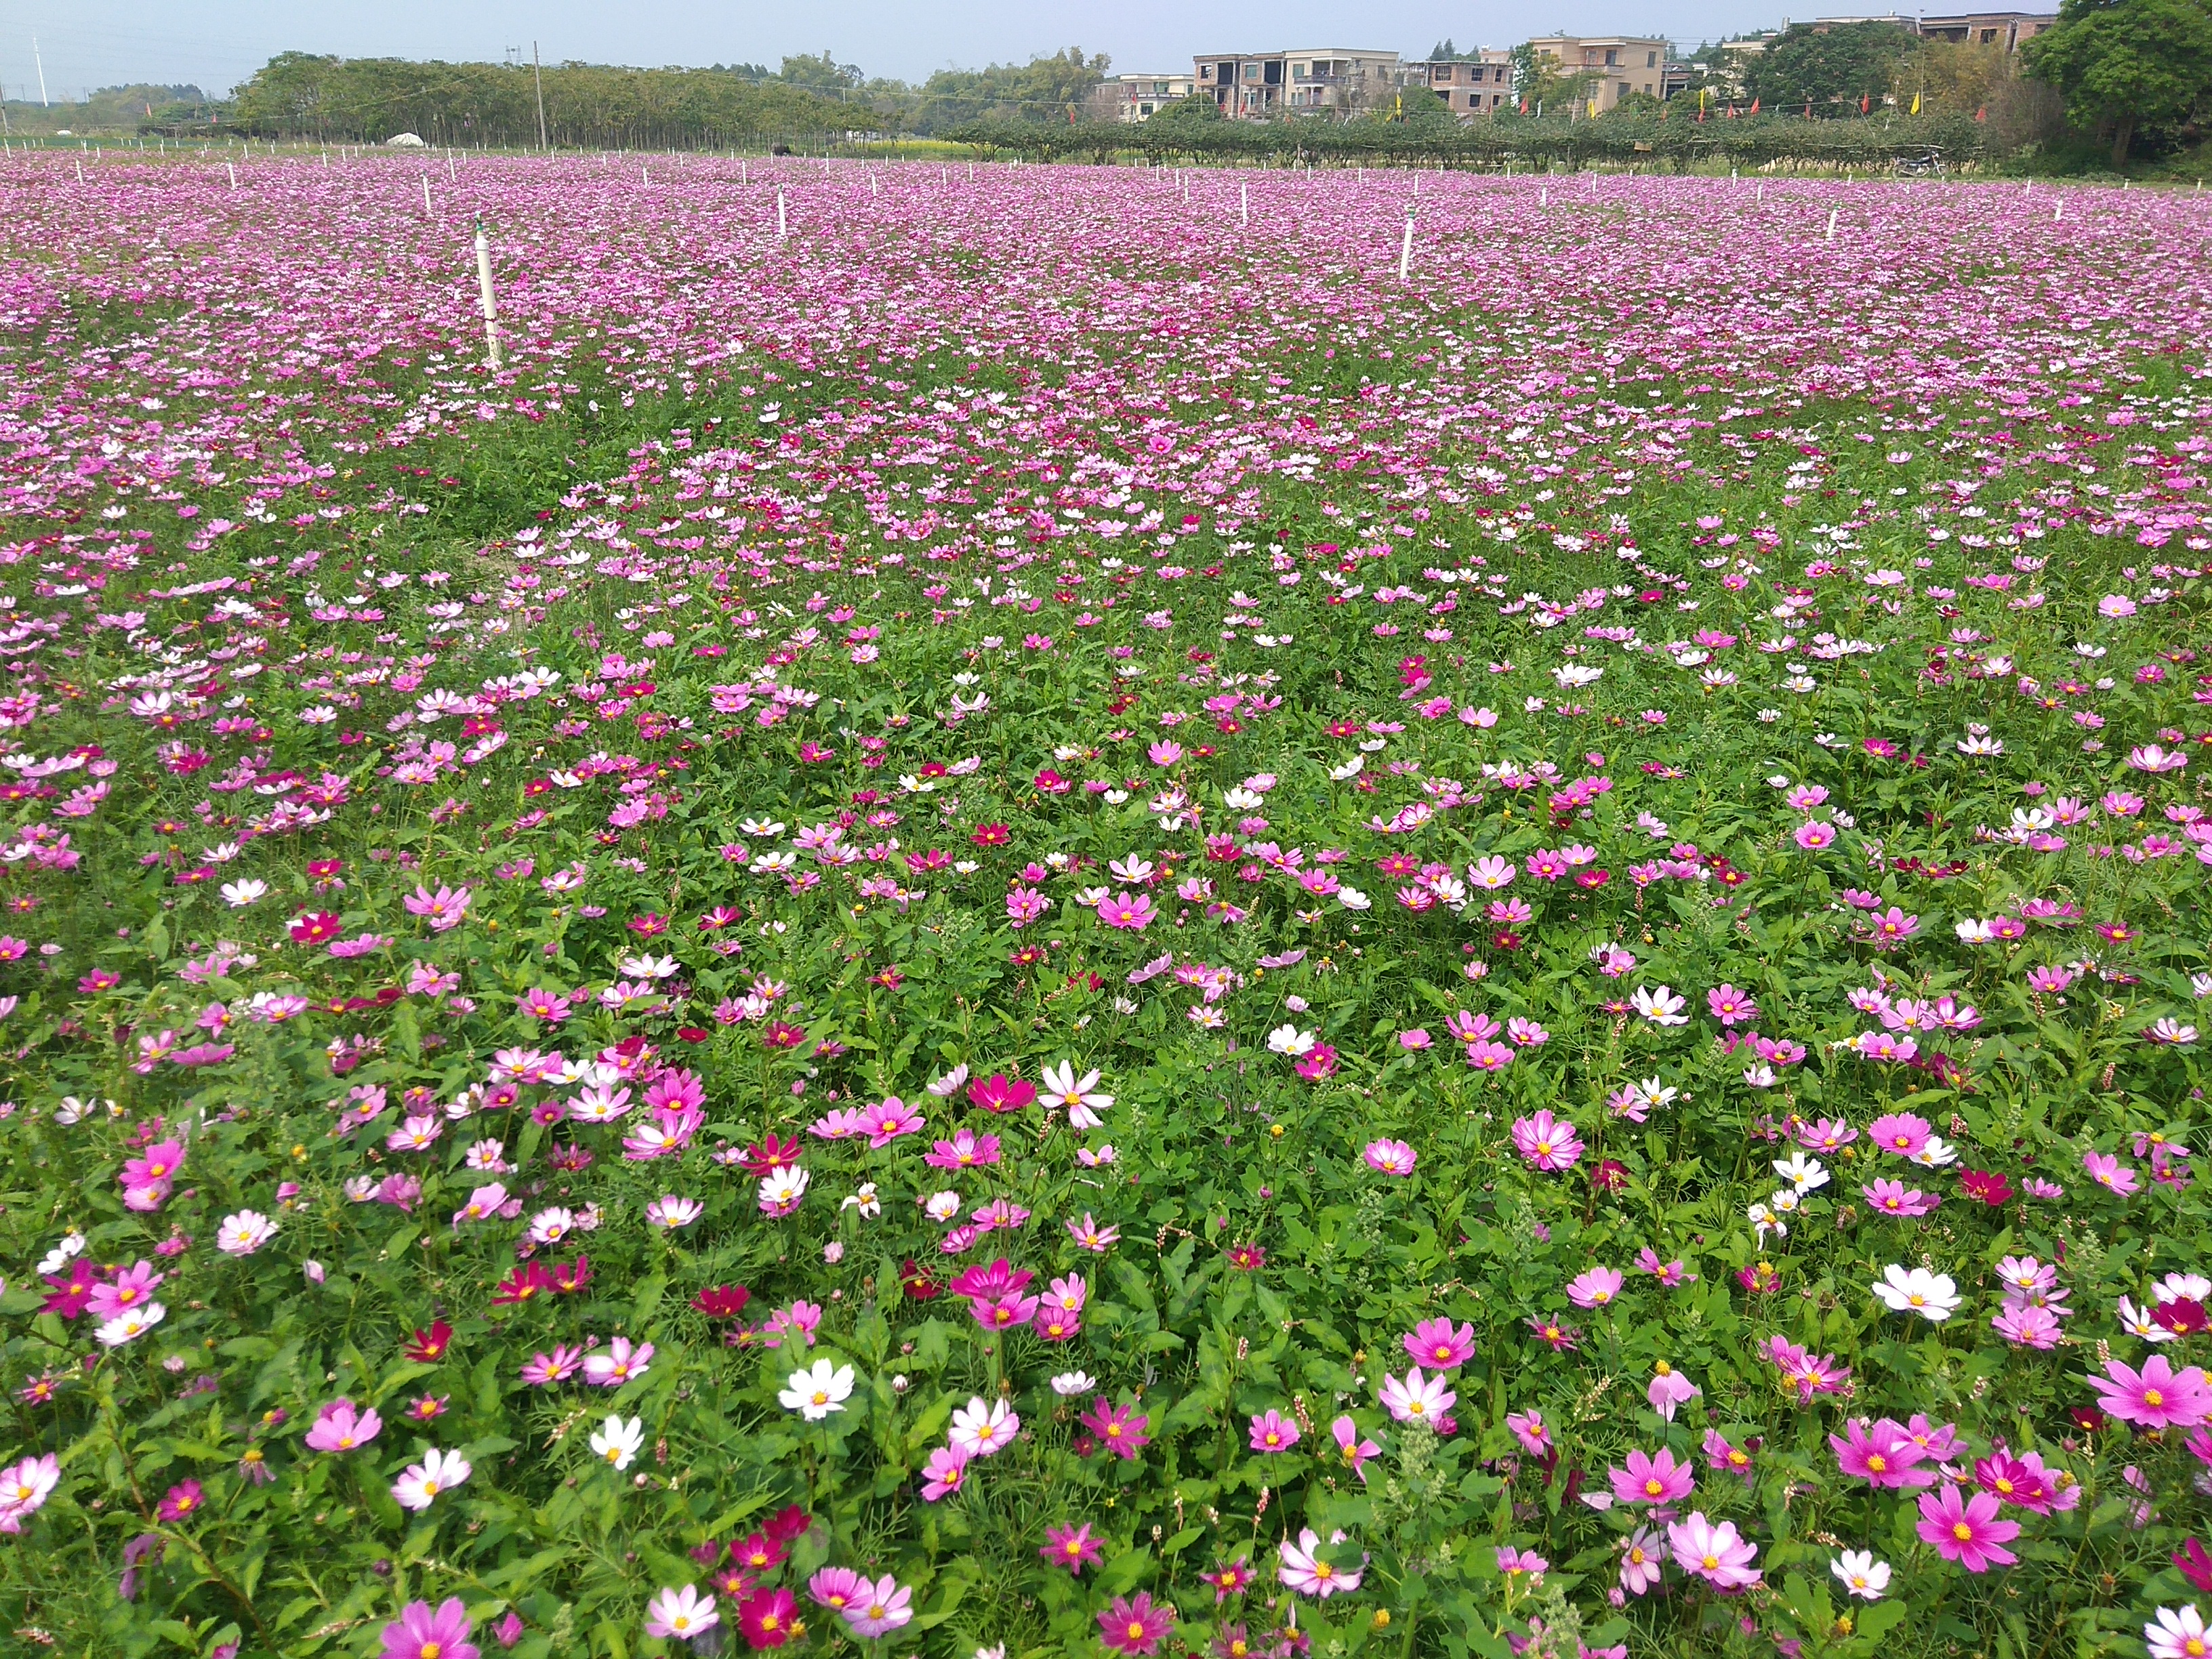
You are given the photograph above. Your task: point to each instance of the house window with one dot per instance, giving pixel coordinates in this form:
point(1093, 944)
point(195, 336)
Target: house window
point(1298, 70)
point(1612, 59)
point(1988, 36)
point(1650, 61)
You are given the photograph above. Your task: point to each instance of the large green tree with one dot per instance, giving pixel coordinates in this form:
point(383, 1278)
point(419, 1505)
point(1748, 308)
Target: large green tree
point(1832, 68)
point(2125, 65)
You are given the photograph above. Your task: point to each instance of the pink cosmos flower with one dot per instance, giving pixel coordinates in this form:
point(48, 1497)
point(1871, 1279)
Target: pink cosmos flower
point(1713, 1553)
point(2106, 1171)
point(1390, 1158)
point(1072, 1548)
point(1670, 1389)
point(1724, 1456)
point(1131, 910)
point(447, 909)
point(1895, 1198)
point(943, 1474)
point(1416, 1398)
point(1968, 1532)
point(1546, 1142)
point(1595, 1287)
point(1440, 1344)
point(1731, 1006)
point(885, 1123)
point(1649, 1480)
point(422, 1632)
point(2157, 1396)
point(617, 1363)
point(341, 1426)
point(882, 1607)
point(1900, 1132)
point(1136, 1626)
point(1487, 1054)
point(1116, 1427)
point(2026, 1326)
point(1814, 835)
point(1271, 1432)
point(1531, 1429)
point(1882, 1455)
point(1353, 1446)
point(1642, 1555)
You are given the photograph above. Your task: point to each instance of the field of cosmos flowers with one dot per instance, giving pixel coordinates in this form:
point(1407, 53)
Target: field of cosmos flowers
point(1043, 920)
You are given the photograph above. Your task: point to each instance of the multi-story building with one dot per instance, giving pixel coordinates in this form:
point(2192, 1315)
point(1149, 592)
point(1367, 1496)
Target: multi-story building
point(1478, 84)
point(1620, 66)
point(1989, 28)
point(1253, 86)
point(1140, 97)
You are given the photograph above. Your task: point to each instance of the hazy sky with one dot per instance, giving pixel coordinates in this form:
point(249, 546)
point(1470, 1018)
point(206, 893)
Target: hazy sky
point(218, 43)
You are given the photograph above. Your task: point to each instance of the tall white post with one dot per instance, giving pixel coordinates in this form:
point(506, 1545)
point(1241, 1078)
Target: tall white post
point(780, 228)
point(233, 166)
point(1832, 224)
point(1406, 247)
point(484, 292)
point(427, 209)
point(1243, 204)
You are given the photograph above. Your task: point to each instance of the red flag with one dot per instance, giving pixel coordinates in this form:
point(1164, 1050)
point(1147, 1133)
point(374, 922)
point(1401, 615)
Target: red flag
point(1755, 106)
point(1809, 109)
point(1862, 103)
point(1525, 105)
point(1983, 114)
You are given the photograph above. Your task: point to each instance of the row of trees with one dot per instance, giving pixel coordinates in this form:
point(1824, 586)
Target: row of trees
point(366, 100)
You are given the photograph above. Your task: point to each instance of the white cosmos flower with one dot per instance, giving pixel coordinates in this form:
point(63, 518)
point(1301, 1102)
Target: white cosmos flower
point(618, 1441)
point(821, 1389)
point(239, 893)
point(1933, 1296)
point(1660, 1006)
point(1080, 1096)
point(244, 1233)
point(1861, 1574)
point(1068, 1384)
point(130, 1326)
point(1289, 1040)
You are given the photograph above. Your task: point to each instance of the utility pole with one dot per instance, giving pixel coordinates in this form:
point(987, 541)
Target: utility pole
point(538, 76)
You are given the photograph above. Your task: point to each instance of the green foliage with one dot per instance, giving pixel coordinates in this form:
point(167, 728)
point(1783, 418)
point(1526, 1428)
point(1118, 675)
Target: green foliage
point(368, 100)
point(2124, 65)
point(1830, 67)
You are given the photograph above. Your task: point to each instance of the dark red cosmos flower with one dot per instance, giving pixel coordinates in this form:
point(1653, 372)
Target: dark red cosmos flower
point(767, 1154)
point(1610, 1176)
point(1992, 1189)
point(2184, 1315)
point(991, 834)
point(733, 1582)
point(722, 1300)
point(323, 869)
point(315, 927)
point(427, 1347)
point(649, 926)
point(1249, 1257)
point(523, 1284)
point(1761, 1278)
point(917, 1283)
point(782, 1034)
point(692, 1034)
point(1506, 939)
point(2088, 1419)
point(722, 915)
point(788, 1523)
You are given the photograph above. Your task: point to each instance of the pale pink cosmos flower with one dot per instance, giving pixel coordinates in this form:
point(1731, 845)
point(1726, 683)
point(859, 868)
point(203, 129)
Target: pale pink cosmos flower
point(1307, 1570)
point(1416, 1398)
point(1714, 1552)
point(341, 1426)
point(1271, 1432)
point(1390, 1158)
point(1353, 1446)
point(1670, 1389)
point(1546, 1142)
point(2155, 1397)
point(1595, 1287)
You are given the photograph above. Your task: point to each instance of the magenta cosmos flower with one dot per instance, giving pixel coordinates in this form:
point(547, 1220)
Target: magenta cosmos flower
point(1882, 1455)
point(1595, 1288)
point(1968, 1531)
point(1650, 1480)
point(1548, 1143)
point(1440, 1344)
point(2157, 1396)
point(1273, 1433)
point(1136, 1626)
point(422, 1631)
point(1132, 910)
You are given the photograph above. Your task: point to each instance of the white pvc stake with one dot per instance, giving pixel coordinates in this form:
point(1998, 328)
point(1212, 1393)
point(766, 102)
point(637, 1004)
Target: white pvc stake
point(1243, 204)
point(875, 184)
point(427, 209)
point(2058, 211)
point(1406, 248)
point(1832, 224)
point(744, 171)
point(452, 178)
point(779, 229)
point(971, 173)
point(234, 174)
point(1544, 196)
point(1762, 189)
point(484, 292)
point(646, 169)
